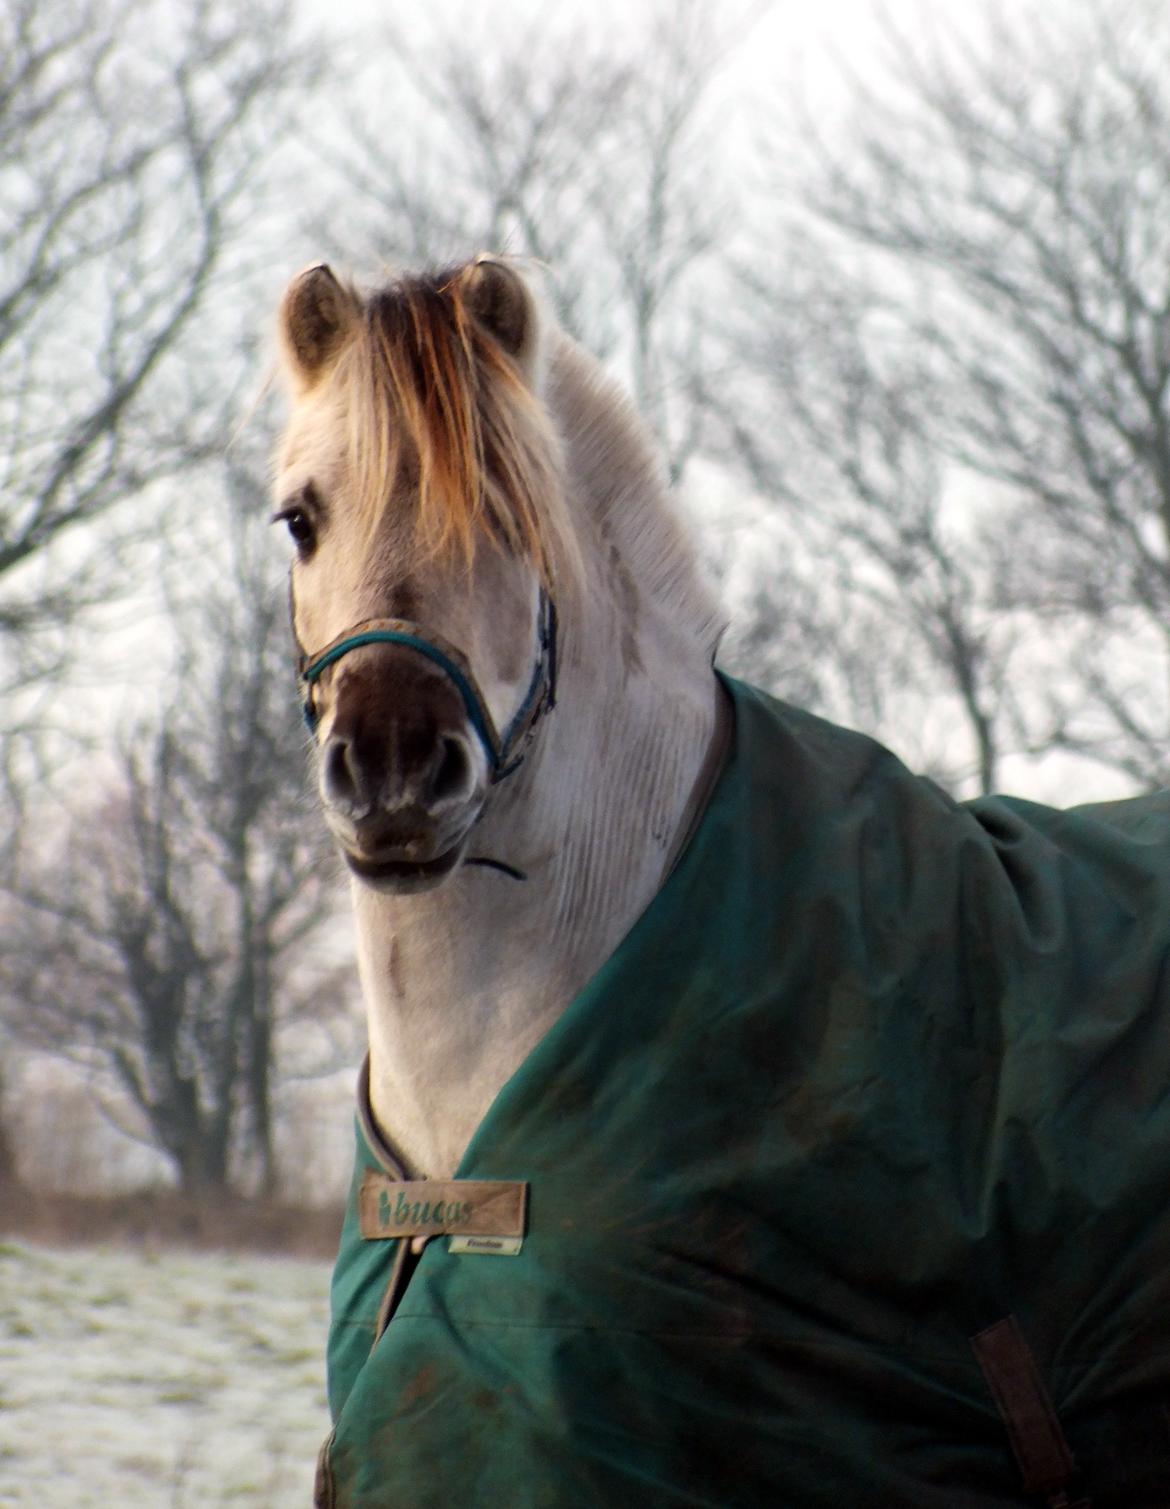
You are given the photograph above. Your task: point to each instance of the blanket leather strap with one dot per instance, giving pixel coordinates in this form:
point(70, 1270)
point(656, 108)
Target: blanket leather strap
point(1046, 1464)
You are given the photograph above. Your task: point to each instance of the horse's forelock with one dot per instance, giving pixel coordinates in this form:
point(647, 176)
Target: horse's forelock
point(424, 382)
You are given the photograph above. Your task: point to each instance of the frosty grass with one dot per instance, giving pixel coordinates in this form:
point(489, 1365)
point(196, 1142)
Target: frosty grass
point(164, 1382)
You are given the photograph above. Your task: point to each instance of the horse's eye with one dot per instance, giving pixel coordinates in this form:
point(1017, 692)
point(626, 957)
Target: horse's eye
point(299, 526)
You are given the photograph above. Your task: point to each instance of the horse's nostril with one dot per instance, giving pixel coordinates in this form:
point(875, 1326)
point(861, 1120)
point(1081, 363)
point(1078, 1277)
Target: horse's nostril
point(420, 771)
point(339, 780)
point(452, 771)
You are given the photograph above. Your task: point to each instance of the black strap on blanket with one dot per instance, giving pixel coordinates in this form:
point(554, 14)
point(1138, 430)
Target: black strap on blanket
point(1046, 1464)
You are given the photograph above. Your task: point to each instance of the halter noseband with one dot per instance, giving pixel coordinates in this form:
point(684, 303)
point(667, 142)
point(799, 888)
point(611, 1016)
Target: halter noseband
point(505, 754)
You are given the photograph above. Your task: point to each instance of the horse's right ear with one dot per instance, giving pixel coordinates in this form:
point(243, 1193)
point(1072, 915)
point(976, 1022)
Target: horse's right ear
point(316, 315)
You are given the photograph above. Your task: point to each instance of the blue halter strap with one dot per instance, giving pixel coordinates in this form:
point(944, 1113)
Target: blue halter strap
point(505, 754)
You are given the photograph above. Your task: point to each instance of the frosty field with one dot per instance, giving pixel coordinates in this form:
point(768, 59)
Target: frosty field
point(163, 1382)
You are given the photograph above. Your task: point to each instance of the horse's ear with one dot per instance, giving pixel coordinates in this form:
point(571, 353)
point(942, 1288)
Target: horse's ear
point(316, 315)
point(502, 300)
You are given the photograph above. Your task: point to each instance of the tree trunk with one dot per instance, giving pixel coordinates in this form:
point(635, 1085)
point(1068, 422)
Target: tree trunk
point(9, 1176)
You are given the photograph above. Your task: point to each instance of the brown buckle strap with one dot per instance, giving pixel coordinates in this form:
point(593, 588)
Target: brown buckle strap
point(1046, 1464)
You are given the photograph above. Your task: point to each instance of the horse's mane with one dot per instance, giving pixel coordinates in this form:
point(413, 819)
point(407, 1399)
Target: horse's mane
point(613, 459)
point(424, 385)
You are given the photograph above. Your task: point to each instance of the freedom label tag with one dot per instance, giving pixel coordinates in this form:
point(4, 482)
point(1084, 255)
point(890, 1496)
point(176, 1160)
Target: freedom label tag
point(471, 1208)
point(492, 1246)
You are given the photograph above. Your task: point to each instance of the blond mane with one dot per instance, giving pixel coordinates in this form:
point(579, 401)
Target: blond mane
point(424, 386)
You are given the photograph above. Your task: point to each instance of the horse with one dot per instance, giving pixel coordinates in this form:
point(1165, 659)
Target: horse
point(744, 1121)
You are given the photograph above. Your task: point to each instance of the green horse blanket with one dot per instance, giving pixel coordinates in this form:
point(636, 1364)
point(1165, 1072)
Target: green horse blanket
point(848, 1179)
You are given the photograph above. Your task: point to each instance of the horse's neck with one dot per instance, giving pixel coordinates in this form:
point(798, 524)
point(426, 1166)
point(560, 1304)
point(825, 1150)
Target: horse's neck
point(462, 983)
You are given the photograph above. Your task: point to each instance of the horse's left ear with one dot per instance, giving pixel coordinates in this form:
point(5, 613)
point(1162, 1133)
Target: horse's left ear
point(503, 301)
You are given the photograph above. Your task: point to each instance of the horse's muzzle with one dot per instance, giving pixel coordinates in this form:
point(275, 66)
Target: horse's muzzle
point(402, 776)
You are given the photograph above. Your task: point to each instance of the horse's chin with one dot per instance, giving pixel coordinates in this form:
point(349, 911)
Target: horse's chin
point(403, 877)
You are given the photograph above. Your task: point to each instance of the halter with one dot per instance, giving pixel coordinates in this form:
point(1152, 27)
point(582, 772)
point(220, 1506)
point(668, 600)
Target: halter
point(505, 754)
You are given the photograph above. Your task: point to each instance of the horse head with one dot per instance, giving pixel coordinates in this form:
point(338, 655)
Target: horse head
point(422, 486)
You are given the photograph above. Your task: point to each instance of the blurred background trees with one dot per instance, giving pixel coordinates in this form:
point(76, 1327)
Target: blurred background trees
point(584, 146)
point(960, 335)
point(902, 331)
point(161, 886)
point(175, 922)
point(132, 139)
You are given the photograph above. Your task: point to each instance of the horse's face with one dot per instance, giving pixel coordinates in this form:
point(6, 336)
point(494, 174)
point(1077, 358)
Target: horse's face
point(404, 766)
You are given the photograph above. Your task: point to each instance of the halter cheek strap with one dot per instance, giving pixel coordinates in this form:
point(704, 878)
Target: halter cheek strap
point(505, 754)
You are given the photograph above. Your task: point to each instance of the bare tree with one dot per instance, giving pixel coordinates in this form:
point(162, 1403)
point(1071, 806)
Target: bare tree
point(870, 517)
point(586, 147)
point(8, 1165)
point(131, 137)
point(966, 353)
point(182, 917)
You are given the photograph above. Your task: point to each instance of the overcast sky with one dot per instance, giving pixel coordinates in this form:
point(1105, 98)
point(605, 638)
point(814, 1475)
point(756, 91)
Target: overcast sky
point(784, 32)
